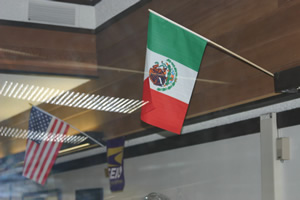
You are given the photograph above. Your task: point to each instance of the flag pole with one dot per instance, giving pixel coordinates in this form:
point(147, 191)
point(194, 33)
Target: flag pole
point(217, 46)
point(241, 58)
point(96, 141)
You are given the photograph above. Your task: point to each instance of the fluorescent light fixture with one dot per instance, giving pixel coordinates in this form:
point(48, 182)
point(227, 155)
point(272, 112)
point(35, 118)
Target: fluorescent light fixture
point(57, 97)
point(38, 94)
point(48, 95)
point(74, 148)
point(37, 135)
point(34, 91)
point(100, 103)
point(52, 96)
point(77, 99)
point(68, 98)
point(81, 100)
point(11, 92)
point(17, 92)
point(27, 93)
point(9, 86)
point(60, 99)
point(42, 95)
point(72, 99)
point(2, 89)
point(96, 101)
point(85, 102)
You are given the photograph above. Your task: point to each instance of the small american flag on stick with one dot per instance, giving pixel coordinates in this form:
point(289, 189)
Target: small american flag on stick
point(40, 154)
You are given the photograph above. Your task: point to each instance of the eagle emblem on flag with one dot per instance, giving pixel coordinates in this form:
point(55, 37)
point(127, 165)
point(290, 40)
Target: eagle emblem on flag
point(163, 75)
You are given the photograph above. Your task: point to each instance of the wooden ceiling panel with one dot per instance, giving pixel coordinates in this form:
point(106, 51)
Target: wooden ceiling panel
point(30, 50)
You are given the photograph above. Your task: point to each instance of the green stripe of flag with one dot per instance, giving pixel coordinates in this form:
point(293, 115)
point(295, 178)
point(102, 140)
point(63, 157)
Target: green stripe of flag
point(174, 42)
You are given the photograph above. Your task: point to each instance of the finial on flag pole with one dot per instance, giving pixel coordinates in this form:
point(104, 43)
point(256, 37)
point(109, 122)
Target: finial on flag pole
point(218, 46)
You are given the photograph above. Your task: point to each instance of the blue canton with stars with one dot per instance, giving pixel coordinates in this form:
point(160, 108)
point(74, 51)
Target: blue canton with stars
point(38, 121)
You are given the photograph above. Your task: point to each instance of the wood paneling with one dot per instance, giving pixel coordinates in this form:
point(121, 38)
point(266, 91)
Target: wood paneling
point(43, 51)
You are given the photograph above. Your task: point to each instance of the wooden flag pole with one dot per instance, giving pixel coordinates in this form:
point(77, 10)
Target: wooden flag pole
point(241, 58)
point(218, 46)
point(96, 141)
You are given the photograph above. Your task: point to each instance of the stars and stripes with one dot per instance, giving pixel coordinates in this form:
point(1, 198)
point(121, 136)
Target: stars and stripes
point(41, 154)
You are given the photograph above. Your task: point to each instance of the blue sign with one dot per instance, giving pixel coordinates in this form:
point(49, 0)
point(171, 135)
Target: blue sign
point(115, 149)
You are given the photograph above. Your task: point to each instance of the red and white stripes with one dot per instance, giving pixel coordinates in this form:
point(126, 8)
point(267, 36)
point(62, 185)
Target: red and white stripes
point(39, 158)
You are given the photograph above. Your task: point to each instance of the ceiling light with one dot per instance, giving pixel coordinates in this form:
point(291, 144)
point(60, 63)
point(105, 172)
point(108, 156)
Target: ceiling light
point(73, 148)
point(37, 135)
point(71, 99)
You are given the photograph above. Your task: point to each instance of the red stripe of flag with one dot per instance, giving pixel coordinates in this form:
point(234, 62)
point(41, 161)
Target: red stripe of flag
point(162, 110)
point(27, 154)
point(34, 154)
point(27, 161)
point(43, 151)
point(54, 156)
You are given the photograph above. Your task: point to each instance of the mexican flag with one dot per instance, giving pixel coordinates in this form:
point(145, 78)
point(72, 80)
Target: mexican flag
point(173, 59)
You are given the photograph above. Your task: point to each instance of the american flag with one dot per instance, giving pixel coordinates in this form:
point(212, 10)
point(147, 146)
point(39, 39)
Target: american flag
point(40, 155)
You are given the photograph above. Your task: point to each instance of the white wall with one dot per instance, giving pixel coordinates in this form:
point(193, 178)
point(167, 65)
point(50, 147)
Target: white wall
point(17, 10)
point(291, 168)
point(227, 169)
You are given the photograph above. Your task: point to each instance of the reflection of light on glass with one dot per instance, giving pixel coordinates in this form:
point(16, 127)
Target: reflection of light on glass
point(38, 94)
point(112, 103)
point(67, 98)
point(3, 131)
point(34, 91)
point(104, 103)
point(125, 108)
point(7, 89)
point(124, 105)
point(81, 100)
point(3, 87)
point(100, 103)
point(48, 95)
point(42, 136)
point(74, 148)
point(42, 95)
point(23, 91)
point(71, 99)
point(90, 102)
point(77, 99)
point(96, 101)
point(6, 133)
point(61, 98)
point(116, 105)
point(119, 105)
point(17, 92)
point(139, 105)
point(85, 102)
point(13, 89)
point(58, 96)
point(27, 93)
